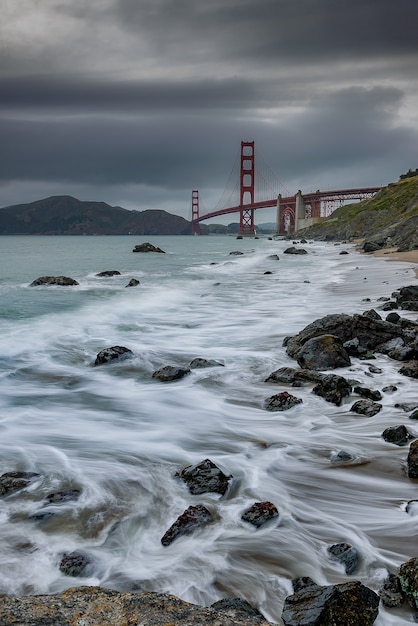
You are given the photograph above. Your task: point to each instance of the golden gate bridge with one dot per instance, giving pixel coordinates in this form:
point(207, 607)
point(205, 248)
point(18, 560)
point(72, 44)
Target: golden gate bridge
point(259, 188)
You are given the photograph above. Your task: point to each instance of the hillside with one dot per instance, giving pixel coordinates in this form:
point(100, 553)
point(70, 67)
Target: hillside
point(65, 215)
point(390, 218)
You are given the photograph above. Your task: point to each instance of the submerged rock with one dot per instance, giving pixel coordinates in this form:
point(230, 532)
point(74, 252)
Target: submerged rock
point(346, 604)
point(260, 513)
point(412, 461)
point(281, 402)
point(62, 281)
point(109, 273)
point(192, 518)
point(112, 354)
point(205, 477)
point(391, 591)
point(199, 363)
point(170, 372)
point(57, 497)
point(346, 555)
point(147, 247)
point(75, 564)
point(14, 481)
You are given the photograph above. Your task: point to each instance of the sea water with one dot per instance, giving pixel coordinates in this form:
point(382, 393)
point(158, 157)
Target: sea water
point(120, 436)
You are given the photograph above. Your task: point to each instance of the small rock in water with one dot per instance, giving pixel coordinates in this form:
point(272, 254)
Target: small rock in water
point(170, 372)
point(414, 415)
point(390, 389)
point(147, 247)
point(412, 461)
point(205, 477)
point(365, 392)
point(75, 564)
point(62, 281)
point(192, 518)
point(281, 402)
point(133, 282)
point(200, 363)
point(14, 481)
point(408, 578)
point(345, 554)
point(63, 496)
point(333, 388)
point(374, 370)
point(112, 354)
point(399, 435)
point(342, 457)
point(260, 513)
point(236, 253)
point(366, 407)
point(109, 273)
point(412, 508)
point(391, 592)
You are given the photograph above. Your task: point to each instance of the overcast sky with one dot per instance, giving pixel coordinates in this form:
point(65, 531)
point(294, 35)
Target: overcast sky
point(137, 102)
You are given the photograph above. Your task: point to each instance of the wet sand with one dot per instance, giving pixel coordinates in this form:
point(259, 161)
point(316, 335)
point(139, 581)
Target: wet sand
point(392, 254)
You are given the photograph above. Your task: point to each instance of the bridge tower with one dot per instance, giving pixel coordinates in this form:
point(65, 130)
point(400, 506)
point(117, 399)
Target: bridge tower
point(195, 212)
point(246, 189)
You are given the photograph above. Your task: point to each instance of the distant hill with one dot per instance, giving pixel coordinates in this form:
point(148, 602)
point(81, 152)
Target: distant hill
point(390, 218)
point(65, 215)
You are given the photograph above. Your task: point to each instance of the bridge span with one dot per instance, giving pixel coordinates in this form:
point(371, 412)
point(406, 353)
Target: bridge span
point(293, 212)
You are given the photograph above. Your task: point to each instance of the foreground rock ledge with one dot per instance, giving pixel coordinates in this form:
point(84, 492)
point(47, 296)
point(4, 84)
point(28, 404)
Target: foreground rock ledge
point(96, 606)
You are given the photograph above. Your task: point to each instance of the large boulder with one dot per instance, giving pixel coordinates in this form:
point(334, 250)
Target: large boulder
point(147, 247)
point(323, 352)
point(98, 606)
point(170, 372)
point(408, 578)
point(412, 461)
point(62, 281)
point(407, 298)
point(370, 332)
point(346, 604)
point(293, 376)
point(294, 250)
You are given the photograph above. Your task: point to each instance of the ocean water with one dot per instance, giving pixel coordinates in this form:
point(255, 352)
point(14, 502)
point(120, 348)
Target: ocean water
point(119, 435)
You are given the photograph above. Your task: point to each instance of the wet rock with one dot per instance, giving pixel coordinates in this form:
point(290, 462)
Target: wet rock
point(353, 347)
point(375, 370)
point(302, 583)
point(407, 297)
point(411, 369)
point(323, 352)
point(109, 273)
point(65, 495)
point(41, 516)
point(393, 318)
point(104, 607)
point(389, 306)
point(414, 415)
point(170, 372)
point(342, 457)
point(369, 332)
point(205, 477)
point(399, 435)
point(234, 606)
point(347, 604)
point(390, 389)
point(372, 314)
point(344, 252)
point(236, 253)
point(194, 517)
point(268, 272)
point(281, 402)
point(391, 591)
point(75, 564)
point(260, 513)
point(62, 281)
point(408, 578)
point(346, 555)
point(147, 247)
point(366, 407)
point(406, 406)
point(14, 481)
point(333, 388)
point(403, 353)
point(290, 375)
point(372, 246)
point(412, 508)
point(275, 257)
point(412, 461)
point(112, 354)
point(134, 282)
point(200, 363)
point(293, 250)
point(370, 394)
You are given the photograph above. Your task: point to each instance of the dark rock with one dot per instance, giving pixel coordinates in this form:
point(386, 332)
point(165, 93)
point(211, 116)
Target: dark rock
point(365, 392)
point(345, 554)
point(391, 591)
point(104, 607)
point(302, 583)
point(268, 272)
point(398, 435)
point(372, 246)
point(290, 375)
point(235, 606)
point(411, 369)
point(407, 295)
point(112, 354)
point(200, 363)
point(170, 372)
point(274, 256)
point(205, 477)
point(75, 564)
point(374, 315)
point(366, 407)
point(346, 604)
point(375, 370)
point(389, 306)
point(293, 250)
point(109, 273)
point(134, 282)
point(147, 247)
point(353, 347)
point(236, 253)
point(408, 578)
point(333, 388)
point(14, 481)
point(406, 406)
point(62, 281)
point(63, 496)
point(321, 353)
point(281, 402)
point(412, 461)
point(393, 318)
point(194, 517)
point(341, 458)
point(390, 389)
point(344, 252)
point(414, 415)
point(41, 516)
point(403, 353)
point(412, 507)
point(260, 513)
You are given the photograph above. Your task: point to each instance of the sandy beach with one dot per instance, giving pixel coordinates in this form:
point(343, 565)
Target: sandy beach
point(393, 255)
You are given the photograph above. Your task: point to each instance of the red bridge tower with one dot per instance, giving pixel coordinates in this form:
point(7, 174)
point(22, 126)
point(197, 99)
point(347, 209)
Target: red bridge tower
point(195, 212)
point(246, 188)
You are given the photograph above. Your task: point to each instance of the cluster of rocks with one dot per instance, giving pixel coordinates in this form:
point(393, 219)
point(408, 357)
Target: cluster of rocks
point(66, 281)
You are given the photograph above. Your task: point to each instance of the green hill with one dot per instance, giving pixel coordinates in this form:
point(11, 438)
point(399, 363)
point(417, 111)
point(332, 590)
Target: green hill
point(390, 218)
